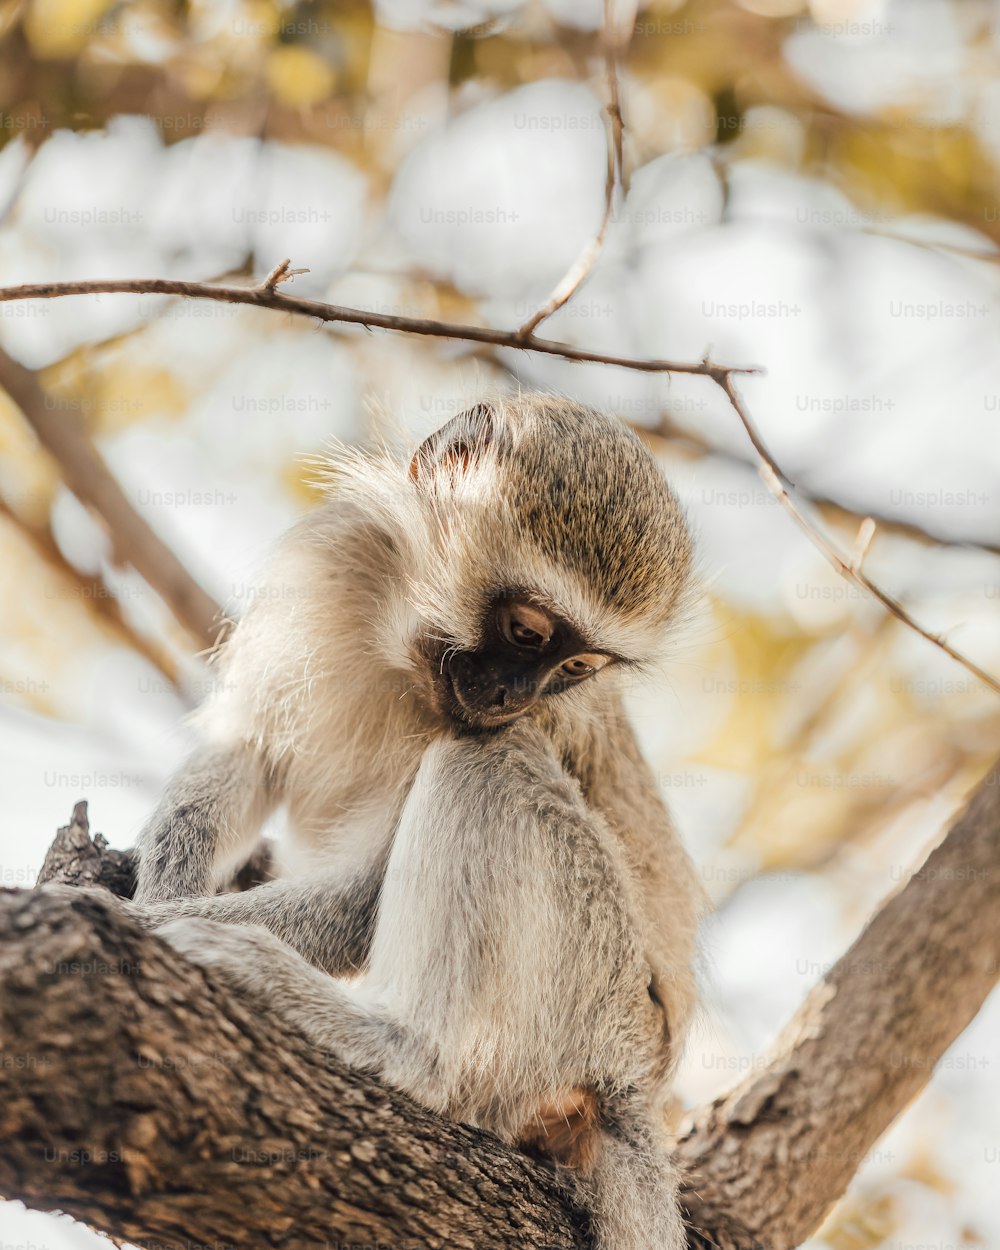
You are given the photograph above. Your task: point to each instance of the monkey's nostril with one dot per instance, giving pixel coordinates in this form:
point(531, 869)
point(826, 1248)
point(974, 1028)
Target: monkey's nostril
point(500, 697)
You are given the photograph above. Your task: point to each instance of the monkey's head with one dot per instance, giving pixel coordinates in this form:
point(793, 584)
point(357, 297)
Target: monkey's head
point(541, 547)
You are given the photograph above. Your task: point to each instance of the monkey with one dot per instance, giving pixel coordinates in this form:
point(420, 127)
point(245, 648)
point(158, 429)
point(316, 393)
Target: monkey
point(493, 911)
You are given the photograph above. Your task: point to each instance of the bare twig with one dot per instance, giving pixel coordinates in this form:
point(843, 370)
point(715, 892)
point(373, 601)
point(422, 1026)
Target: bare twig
point(846, 567)
point(669, 431)
point(616, 41)
point(89, 478)
point(722, 375)
point(280, 273)
point(862, 542)
point(940, 246)
point(577, 273)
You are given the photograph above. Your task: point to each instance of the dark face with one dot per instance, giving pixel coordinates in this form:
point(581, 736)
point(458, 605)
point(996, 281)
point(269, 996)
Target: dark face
point(526, 654)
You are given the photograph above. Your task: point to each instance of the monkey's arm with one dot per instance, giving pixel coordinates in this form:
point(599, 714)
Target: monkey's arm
point(329, 918)
point(619, 782)
point(208, 818)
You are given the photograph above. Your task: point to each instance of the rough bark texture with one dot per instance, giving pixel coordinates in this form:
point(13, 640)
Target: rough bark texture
point(150, 1103)
point(140, 1096)
point(76, 858)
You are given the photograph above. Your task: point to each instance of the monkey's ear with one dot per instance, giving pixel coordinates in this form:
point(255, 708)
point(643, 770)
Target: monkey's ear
point(457, 445)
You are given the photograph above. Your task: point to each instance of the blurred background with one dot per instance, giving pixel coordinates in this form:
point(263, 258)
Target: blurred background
point(810, 186)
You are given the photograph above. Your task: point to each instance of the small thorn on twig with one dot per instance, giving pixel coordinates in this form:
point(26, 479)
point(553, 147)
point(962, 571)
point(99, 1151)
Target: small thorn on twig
point(866, 532)
point(280, 273)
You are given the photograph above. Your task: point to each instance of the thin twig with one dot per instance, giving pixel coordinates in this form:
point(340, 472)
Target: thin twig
point(934, 245)
point(280, 273)
point(615, 47)
point(670, 431)
point(576, 275)
point(862, 542)
point(846, 567)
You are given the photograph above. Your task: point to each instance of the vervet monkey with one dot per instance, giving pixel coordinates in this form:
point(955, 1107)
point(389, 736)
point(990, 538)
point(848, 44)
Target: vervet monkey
point(430, 682)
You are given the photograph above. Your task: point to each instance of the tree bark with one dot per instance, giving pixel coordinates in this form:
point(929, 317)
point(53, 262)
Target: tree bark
point(150, 1101)
point(154, 1104)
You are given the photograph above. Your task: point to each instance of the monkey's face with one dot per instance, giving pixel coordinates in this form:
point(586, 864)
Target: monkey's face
point(526, 653)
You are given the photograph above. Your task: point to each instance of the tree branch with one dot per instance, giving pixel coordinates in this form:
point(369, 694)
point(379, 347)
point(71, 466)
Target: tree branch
point(147, 1101)
point(267, 296)
point(142, 1097)
point(779, 1149)
point(89, 478)
point(669, 431)
point(92, 590)
point(849, 569)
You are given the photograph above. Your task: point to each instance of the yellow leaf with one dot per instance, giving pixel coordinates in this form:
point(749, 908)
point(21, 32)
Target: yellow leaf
point(297, 76)
point(59, 29)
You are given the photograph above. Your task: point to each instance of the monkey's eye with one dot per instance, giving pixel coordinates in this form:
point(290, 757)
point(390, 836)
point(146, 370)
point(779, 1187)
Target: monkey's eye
point(581, 666)
point(524, 625)
point(524, 636)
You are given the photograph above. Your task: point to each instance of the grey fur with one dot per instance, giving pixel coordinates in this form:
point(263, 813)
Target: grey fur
point(518, 902)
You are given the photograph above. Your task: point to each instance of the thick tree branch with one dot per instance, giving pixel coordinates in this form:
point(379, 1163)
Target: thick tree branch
point(778, 1150)
point(143, 1098)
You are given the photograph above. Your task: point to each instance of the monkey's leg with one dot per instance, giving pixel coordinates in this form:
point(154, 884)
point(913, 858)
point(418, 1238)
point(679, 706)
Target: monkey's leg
point(208, 817)
point(328, 918)
point(332, 1014)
